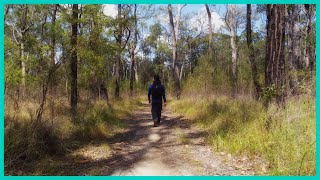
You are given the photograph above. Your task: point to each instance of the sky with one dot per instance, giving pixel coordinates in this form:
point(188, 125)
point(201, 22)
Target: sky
point(198, 18)
point(110, 10)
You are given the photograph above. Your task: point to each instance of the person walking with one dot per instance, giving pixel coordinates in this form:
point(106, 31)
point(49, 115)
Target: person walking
point(157, 91)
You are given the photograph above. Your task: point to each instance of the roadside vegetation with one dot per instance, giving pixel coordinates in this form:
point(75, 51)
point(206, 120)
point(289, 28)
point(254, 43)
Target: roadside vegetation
point(95, 122)
point(285, 138)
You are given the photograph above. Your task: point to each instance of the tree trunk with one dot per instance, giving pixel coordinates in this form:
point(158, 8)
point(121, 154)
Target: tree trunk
point(275, 72)
point(252, 55)
point(132, 51)
point(136, 72)
point(293, 46)
point(181, 72)
point(114, 68)
point(8, 7)
point(52, 83)
point(103, 91)
point(132, 70)
point(23, 67)
point(118, 60)
point(178, 21)
point(309, 59)
point(234, 58)
point(210, 28)
point(74, 57)
point(53, 31)
point(175, 69)
point(22, 50)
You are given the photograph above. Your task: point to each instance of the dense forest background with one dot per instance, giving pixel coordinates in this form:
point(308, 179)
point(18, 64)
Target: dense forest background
point(73, 71)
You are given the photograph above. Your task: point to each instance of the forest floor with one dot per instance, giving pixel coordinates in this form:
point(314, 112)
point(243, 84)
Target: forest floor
point(174, 148)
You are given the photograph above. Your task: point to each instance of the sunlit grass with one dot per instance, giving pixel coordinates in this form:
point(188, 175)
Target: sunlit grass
point(61, 134)
point(284, 137)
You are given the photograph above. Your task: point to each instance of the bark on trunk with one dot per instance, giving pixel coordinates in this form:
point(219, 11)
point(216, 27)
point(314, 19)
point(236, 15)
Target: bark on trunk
point(210, 28)
point(74, 57)
point(309, 55)
point(136, 72)
point(293, 47)
point(275, 72)
point(178, 21)
point(234, 58)
point(23, 67)
point(22, 49)
point(181, 72)
point(53, 29)
point(52, 83)
point(104, 91)
point(251, 54)
point(118, 60)
point(132, 51)
point(175, 69)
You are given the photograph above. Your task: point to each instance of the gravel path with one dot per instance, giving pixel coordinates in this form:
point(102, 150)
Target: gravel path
point(173, 148)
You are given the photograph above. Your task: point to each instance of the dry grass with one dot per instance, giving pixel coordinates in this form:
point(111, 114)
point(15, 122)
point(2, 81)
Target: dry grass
point(284, 137)
point(58, 132)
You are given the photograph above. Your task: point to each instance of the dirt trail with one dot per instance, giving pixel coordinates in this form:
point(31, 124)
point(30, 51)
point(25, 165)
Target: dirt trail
point(173, 148)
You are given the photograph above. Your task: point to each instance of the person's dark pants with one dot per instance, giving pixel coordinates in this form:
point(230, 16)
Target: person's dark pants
point(156, 111)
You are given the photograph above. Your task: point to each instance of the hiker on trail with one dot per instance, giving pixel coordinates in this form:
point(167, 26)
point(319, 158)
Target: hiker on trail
point(157, 91)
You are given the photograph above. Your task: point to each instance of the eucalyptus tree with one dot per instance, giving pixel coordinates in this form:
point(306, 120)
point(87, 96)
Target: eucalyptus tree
point(294, 56)
point(122, 31)
point(275, 72)
point(132, 50)
point(210, 27)
point(232, 26)
point(252, 54)
point(74, 58)
point(309, 37)
point(234, 19)
point(174, 28)
point(19, 21)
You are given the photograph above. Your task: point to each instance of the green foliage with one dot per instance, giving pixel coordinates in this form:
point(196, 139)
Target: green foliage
point(97, 122)
point(268, 92)
point(155, 33)
point(206, 78)
point(146, 70)
point(11, 63)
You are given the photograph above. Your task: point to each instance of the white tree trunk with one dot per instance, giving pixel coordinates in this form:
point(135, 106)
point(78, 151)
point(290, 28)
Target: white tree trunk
point(233, 36)
point(178, 21)
point(309, 50)
point(181, 71)
point(175, 69)
point(136, 73)
point(23, 68)
point(293, 46)
point(210, 27)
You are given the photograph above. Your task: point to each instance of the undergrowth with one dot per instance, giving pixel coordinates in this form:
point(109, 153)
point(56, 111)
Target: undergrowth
point(283, 137)
point(27, 140)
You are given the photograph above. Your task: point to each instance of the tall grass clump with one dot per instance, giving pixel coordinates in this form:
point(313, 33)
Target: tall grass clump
point(27, 140)
point(102, 119)
point(283, 137)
